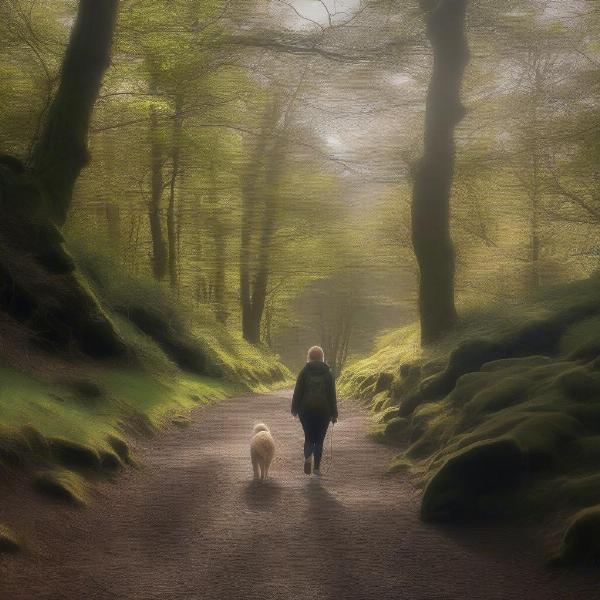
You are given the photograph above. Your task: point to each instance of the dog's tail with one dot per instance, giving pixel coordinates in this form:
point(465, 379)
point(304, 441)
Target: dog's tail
point(260, 427)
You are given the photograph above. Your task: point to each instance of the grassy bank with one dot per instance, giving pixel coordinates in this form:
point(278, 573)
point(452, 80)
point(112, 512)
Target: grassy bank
point(502, 416)
point(66, 419)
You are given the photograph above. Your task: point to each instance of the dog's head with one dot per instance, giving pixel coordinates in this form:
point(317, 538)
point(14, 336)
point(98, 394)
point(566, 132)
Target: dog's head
point(260, 427)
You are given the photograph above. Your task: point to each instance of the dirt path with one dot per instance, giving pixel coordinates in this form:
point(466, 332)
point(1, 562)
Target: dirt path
point(192, 525)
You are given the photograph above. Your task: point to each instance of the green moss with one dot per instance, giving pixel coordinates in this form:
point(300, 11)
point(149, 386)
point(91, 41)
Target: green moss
point(379, 402)
point(181, 421)
point(581, 341)
point(506, 392)
point(586, 450)
point(9, 542)
point(400, 464)
point(121, 448)
point(580, 491)
point(466, 483)
point(579, 383)
point(388, 414)
point(544, 437)
point(395, 427)
point(517, 365)
point(581, 542)
point(63, 485)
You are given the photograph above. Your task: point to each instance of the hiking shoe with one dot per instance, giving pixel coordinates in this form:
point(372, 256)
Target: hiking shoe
point(317, 472)
point(308, 465)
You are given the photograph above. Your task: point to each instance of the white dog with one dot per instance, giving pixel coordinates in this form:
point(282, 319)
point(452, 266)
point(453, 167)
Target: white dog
point(262, 450)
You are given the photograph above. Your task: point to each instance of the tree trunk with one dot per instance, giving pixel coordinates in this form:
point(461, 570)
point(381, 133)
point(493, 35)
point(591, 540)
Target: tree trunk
point(159, 248)
point(220, 261)
point(175, 156)
point(61, 152)
point(254, 292)
point(217, 227)
point(432, 243)
point(39, 285)
point(250, 329)
point(263, 267)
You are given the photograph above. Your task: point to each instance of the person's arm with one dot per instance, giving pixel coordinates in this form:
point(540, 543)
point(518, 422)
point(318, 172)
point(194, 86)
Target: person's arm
point(333, 401)
point(298, 393)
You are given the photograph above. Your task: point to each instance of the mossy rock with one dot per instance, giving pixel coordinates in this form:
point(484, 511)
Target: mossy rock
point(74, 455)
point(9, 542)
point(12, 447)
point(507, 392)
point(543, 437)
point(581, 542)
point(388, 414)
point(540, 336)
point(586, 450)
point(63, 485)
point(580, 491)
point(517, 364)
point(395, 427)
point(579, 384)
point(400, 464)
point(120, 447)
point(181, 421)
point(467, 481)
point(36, 442)
point(109, 461)
point(379, 401)
point(384, 382)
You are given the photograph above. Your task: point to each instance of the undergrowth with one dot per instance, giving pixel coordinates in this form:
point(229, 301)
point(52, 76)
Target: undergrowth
point(502, 415)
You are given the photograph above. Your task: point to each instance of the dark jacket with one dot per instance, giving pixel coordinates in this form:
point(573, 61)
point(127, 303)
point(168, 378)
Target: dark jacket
point(315, 367)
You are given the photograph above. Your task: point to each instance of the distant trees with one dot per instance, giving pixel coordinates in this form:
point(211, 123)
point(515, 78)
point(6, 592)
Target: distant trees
point(260, 214)
point(432, 242)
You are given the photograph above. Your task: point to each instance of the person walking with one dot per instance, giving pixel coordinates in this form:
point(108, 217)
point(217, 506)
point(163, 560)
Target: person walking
point(314, 402)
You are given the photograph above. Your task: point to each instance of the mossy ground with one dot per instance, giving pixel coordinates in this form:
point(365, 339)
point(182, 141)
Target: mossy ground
point(67, 419)
point(503, 415)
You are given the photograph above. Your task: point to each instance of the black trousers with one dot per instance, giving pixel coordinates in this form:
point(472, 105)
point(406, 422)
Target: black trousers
point(315, 429)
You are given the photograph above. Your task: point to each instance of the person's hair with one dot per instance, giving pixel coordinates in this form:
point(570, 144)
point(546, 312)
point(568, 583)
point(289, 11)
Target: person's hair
point(315, 353)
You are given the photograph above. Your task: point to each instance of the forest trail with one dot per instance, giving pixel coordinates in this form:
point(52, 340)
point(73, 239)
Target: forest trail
point(191, 524)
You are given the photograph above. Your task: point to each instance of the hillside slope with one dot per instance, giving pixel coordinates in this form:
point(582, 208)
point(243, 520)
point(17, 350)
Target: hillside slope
point(67, 418)
point(502, 416)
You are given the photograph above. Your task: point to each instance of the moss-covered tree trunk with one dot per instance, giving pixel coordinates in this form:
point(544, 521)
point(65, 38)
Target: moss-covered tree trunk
point(445, 20)
point(39, 285)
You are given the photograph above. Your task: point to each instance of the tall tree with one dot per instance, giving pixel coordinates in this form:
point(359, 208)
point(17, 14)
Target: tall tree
point(39, 286)
point(445, 20)
point(61, 151)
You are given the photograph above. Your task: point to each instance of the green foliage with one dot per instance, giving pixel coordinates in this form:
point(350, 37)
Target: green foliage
point(163, 329)
point(518, 432)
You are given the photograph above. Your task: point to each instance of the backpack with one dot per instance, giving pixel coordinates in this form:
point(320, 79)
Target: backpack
point(315, 392)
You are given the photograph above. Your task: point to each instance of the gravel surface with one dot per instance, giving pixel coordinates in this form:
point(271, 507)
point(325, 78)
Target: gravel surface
point(191, 524)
